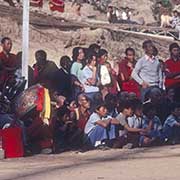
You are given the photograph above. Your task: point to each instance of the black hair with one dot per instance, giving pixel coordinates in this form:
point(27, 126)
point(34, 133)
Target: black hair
point(174, 106)
point(155, 53)
point(75, 53)
point(110, 97)
point(137, 104)
point(62, 111)
point(94, 46)
point(102, 52)
point(90, 56)
point(147, 107)
point(99, 105)
point(64, 60)
point(145, 43)
point(125, 104)
point(172, 46)
point(129, 49)
point(42, 53)
point(4, 39)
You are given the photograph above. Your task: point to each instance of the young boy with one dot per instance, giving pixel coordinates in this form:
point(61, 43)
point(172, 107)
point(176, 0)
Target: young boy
point(99, 127)
point(136, 121)
point(125, 129)
point(171, 128)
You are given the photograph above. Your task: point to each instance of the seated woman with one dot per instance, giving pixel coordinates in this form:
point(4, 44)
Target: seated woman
point(126, 67)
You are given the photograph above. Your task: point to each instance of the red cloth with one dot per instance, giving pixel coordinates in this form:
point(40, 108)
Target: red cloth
point(40, 100)
point(39, 133)
point(56, 5)
point(35, 72)
point(83, 118)
point(128, 84)
point(12, 142)
point(9, 61)
point(172, 67)
point(36, 3)
point(113, 89)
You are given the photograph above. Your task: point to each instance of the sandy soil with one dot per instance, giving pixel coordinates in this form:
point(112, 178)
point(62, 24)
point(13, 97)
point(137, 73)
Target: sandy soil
point(160, 163)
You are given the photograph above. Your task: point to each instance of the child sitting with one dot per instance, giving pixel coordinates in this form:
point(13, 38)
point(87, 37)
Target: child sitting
point(171, 128)
point(136, 121)
point(100, 129)
point(128, 133)
point(152, 125)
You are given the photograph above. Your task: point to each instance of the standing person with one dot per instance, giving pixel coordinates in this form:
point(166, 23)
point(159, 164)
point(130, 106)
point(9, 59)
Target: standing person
point(147, 72)
point(43, 68)
point(89, 77)
point(62, 78)
point(173, 69)
point(103, 73)
point(126, 67)
point(8, 61)
point(176, 22)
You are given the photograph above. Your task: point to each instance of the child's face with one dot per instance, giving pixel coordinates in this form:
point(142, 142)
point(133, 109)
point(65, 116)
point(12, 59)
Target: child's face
point(102, 111)
point(151, 114)
point(177, 112)
point(175, 14)
point(130, 56)
point(129, 112)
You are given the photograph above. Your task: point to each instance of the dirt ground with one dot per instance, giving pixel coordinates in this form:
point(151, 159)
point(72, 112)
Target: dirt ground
point(160, 163)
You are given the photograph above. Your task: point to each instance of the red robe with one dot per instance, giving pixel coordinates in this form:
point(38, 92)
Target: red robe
point(9, 61)
point(172, 67)
point(128, 84)
point(56, 5)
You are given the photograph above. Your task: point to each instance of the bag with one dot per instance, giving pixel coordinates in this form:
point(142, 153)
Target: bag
point(12, 142)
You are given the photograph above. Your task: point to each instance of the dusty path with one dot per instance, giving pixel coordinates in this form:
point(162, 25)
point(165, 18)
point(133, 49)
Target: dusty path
point(161, 163)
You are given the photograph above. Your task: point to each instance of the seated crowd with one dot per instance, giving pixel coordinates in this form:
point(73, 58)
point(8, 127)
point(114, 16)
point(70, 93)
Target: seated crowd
point(94, 105)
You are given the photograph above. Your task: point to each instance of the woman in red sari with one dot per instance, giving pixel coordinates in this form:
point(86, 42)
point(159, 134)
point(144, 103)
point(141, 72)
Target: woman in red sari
point(125, 69)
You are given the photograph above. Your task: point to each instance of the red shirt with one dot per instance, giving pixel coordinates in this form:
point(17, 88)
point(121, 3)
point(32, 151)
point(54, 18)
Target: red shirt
point(9, 61)
point(127, 84)
point(172, 67)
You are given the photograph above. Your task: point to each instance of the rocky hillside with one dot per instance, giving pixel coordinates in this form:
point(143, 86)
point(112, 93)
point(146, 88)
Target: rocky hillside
point(58, 42)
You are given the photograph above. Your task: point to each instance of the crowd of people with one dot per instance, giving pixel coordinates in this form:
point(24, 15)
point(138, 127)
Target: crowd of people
point(94, 104)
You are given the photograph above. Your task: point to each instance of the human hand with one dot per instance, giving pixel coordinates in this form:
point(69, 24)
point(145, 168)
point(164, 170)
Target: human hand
point(144, 85)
